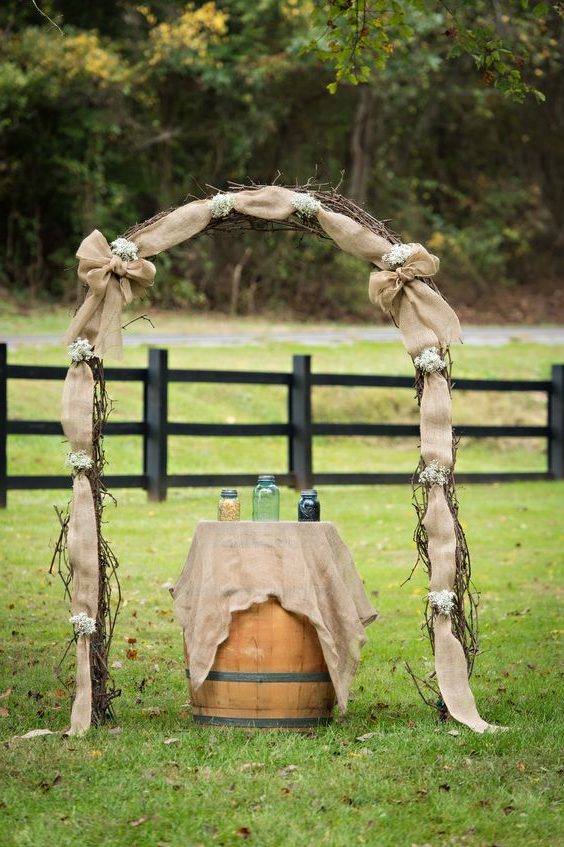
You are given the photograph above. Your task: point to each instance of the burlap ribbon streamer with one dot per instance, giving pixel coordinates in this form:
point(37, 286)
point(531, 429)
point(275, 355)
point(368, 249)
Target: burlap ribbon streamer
point(450, 661)
point(81, 712)
point(424, 318)
point(78, 399)
point(452, 675)
point(83, 556)
point(112, 283)
point(77, 406)
point(272, 202)
point(439, 524)
point(177, 226)
point(436, 425)
point(352, 237)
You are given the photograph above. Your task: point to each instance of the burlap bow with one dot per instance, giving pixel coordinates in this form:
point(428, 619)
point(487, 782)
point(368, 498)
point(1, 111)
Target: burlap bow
point(424, 318)
point(111, 282)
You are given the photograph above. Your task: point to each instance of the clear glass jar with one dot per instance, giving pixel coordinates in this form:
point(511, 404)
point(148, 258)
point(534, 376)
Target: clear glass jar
point(229, 506)
point(266, 499)
point(309, 508)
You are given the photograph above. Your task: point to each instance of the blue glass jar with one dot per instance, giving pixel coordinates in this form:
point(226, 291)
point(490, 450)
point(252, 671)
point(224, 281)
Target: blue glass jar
point(266, 499)
point(309, 508)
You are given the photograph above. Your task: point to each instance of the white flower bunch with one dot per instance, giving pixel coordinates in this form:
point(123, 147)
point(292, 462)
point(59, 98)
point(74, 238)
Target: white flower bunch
point(125, 249)
point(83, 625)
point(398, 255)
point(434, 474)
point(221, 205)
point(80, 350)
point(305, 204)
point(442, 601)
point(430, 361)
point(79, 461)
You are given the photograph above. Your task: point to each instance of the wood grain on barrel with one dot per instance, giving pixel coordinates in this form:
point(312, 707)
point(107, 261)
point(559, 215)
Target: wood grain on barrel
point(266, 639)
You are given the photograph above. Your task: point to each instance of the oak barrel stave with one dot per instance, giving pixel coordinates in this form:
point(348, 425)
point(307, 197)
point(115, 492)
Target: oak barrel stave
point(270, 672)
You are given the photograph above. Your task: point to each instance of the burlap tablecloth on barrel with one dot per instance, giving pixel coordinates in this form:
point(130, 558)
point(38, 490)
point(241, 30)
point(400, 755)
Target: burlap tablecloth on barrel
point(305, 566)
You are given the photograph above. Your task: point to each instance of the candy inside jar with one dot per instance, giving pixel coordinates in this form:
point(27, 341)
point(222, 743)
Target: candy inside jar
point(229, 506)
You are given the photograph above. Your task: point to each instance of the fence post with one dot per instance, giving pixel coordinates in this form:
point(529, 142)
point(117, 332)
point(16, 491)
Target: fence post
point(3, 425)
point(556, 423)
point(156, 417)
point(300, 422)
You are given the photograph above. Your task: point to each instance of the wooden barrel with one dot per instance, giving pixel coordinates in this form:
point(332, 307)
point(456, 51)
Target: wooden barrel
point(269, 673)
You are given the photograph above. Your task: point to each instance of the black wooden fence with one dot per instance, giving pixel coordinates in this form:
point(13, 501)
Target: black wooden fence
point(298, 428)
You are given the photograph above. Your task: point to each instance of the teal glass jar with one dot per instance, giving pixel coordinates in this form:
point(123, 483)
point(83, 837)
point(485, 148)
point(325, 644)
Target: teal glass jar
point(266, 499)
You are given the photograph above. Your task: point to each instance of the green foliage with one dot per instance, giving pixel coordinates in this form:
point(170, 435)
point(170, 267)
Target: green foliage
point(136, 106)
point(356, 37)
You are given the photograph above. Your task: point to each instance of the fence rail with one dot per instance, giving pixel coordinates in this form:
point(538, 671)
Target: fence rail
point(299, 428)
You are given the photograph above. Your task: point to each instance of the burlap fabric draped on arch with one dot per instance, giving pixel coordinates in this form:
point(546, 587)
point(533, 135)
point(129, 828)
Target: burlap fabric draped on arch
point(423, 317)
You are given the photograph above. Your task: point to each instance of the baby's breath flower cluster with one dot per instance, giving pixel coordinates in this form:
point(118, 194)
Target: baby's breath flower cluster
point(305, 204)
point(434, 474)
point(221, 205)
point(442, 601)
point(125, 249)
point(79, 461)
point(398, 255)
point(80, 350)
point(430, 361)
point(83, 625)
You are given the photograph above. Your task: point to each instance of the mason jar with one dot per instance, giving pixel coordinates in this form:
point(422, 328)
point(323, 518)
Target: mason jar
point(266, 499)
point(309, 508)
point(229, 506)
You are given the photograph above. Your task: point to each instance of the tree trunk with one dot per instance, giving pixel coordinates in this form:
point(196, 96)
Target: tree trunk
point(361, 145)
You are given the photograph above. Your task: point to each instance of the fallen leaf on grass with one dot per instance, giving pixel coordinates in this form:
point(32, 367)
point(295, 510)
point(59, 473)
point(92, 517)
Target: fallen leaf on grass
point(152, 711)
point(47, 785)
point(36, 695)
point(210, 829)
point(243, 832)
point(251, 766)
point(117, 665)
point(171, 740)
point(366, 736)
point(4, 713)
point(33, 733)
point(138, 821)
point(115, 730)
point(132, 654)
point(132, 640)
point(5, 694)
point(453, 732)
point(521, 766)
point(287, 770)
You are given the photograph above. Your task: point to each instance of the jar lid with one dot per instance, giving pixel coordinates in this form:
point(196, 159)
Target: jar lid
point(266, 477)
point(309, 492)
point(229, 492)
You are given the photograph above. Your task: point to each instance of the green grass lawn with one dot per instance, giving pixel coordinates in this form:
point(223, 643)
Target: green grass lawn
point(411, 782)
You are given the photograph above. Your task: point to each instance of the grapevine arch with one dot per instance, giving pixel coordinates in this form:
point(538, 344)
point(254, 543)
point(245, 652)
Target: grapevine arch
point(401, 283)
